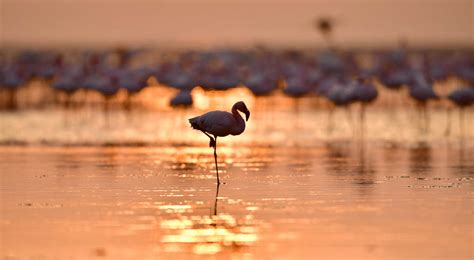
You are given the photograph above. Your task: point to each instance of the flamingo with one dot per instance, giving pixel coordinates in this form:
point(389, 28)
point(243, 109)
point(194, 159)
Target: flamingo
point(341, 96)
point(365, 92)
point(261, 84)
point(462, 98)
point(68, 85)
point(11, 81)
point(221, 123)
point(325, 26)
point(182, 99)
point(330, 62)
point(421, 90)
point(296, 87)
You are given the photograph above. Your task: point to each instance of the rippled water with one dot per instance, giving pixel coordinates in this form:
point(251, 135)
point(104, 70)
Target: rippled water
point(337, 200)
point(141, 185)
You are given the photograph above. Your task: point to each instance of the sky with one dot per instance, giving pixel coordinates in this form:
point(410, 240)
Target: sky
point(234, 23)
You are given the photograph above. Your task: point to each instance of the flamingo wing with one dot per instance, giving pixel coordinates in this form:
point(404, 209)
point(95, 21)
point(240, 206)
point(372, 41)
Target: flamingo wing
point(217, 123)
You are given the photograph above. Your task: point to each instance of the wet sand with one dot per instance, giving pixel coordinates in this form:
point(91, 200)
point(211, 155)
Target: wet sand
point(335, 200)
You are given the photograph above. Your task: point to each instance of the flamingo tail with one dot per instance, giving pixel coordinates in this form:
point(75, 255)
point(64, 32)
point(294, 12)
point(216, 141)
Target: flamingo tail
point(194, 123)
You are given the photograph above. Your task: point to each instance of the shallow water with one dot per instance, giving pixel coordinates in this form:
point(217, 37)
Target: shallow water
point(140, 184)
point(336, 200)
point(275, 121)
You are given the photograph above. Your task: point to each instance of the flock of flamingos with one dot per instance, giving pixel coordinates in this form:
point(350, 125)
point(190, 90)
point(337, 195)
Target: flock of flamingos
point(342, 78)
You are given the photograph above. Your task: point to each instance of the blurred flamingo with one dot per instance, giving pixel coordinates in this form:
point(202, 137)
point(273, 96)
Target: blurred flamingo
point(182, 99)
point(365, 92)
point(462, 98)
point(422, 91)
point(10, 81)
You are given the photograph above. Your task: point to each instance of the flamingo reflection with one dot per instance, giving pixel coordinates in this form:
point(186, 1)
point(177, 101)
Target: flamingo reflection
point(207, 234)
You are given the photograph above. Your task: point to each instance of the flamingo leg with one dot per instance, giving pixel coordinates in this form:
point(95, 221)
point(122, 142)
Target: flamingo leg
point(419, 122)
point(448, 122)
point(128, 101)
point(107, 111)
point(422, 118)
point(330, 122)
point(349, 118)
point(12, 99)
point(212, 142)
point(362, 120)
point(461, 122)
point(215, 160)
point(427, 119)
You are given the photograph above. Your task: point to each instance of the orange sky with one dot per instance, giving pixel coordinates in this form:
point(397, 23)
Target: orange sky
point(224, 23)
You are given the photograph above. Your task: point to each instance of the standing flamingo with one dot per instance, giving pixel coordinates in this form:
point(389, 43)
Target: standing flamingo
point(324, 25)
point(421, 90)
point(221, 123)
point(462, 98)
point(182, 99)
point(365, 92)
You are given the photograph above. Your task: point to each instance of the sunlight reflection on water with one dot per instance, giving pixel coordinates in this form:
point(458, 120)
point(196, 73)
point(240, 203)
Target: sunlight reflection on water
point(300, 202)
point(275, 120)
point(209, 235)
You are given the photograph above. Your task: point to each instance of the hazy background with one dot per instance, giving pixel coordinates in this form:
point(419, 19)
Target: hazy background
point(234, 23)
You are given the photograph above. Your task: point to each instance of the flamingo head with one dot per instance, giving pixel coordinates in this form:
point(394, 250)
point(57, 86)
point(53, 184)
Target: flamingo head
point(240, 106)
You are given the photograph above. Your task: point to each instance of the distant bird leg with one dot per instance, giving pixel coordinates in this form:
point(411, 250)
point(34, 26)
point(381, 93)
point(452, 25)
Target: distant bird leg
point(362, 119)
point(12, 99)
point(422, 117)
point(215, 160)
point(461, 122)
point(448, 122)
point(296, 105)
point(67, 101)
point(426, 118)
point(330, 120)
point(419, 120)
point(127, 104)
point(107, 111)
point(349, 119)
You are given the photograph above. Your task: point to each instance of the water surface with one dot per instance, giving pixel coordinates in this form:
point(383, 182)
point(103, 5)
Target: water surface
point(340, 199)
point(80, 183)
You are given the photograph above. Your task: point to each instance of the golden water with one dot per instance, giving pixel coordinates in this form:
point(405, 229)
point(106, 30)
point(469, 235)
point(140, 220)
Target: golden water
point(80, 183)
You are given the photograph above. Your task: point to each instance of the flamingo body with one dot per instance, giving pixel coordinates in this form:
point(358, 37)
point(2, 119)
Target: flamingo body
point(182, 99)
point(421, 89)
point(366, 93)
point(296, 87)
point(463, 97)
point(261, 85)
point(221, 123)
point(423, 93)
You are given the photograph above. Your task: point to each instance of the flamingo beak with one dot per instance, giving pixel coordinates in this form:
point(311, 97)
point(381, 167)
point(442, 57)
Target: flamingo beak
point(247, 115)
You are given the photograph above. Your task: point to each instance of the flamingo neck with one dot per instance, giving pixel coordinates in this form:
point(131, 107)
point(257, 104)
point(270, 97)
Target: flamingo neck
point(239, 126)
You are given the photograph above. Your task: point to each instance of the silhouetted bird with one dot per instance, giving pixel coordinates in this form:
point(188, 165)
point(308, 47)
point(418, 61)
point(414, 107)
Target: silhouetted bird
point(364, 92)
point(220, 123)
point(182, 99)
point(421, 91)
point(260, 84)
point(296, 87)
point(462, 98)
